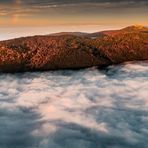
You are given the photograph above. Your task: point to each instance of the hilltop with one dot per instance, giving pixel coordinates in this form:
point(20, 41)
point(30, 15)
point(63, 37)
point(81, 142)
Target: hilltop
point(129, 29)
point(74, 50)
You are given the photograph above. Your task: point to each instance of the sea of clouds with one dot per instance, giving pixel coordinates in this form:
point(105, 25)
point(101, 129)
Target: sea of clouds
point(88, 108)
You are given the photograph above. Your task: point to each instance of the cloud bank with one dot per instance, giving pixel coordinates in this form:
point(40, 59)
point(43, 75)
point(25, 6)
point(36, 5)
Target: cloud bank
point(78, 109)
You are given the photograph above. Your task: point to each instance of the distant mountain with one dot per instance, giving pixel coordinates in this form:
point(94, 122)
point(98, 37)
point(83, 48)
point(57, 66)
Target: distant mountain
point(134, 28)
point(69, 33)
point(74, 50)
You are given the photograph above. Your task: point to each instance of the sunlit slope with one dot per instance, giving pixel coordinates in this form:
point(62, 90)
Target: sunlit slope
point(73, 51)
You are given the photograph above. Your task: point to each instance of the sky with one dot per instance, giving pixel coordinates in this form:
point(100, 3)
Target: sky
point(33, 17)
point(73, 12)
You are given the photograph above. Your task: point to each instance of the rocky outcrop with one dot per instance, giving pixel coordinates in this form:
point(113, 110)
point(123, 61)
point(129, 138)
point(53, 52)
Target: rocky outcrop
point(70, 51)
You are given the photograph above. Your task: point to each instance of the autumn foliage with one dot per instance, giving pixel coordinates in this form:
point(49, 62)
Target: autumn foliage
point(73, 51)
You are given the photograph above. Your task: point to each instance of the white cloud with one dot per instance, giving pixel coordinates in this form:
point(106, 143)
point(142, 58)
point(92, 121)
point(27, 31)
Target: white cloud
point(78, 108)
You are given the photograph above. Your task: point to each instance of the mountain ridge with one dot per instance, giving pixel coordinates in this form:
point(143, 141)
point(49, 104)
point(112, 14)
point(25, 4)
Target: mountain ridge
point(133, 28)
point(69, 51)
